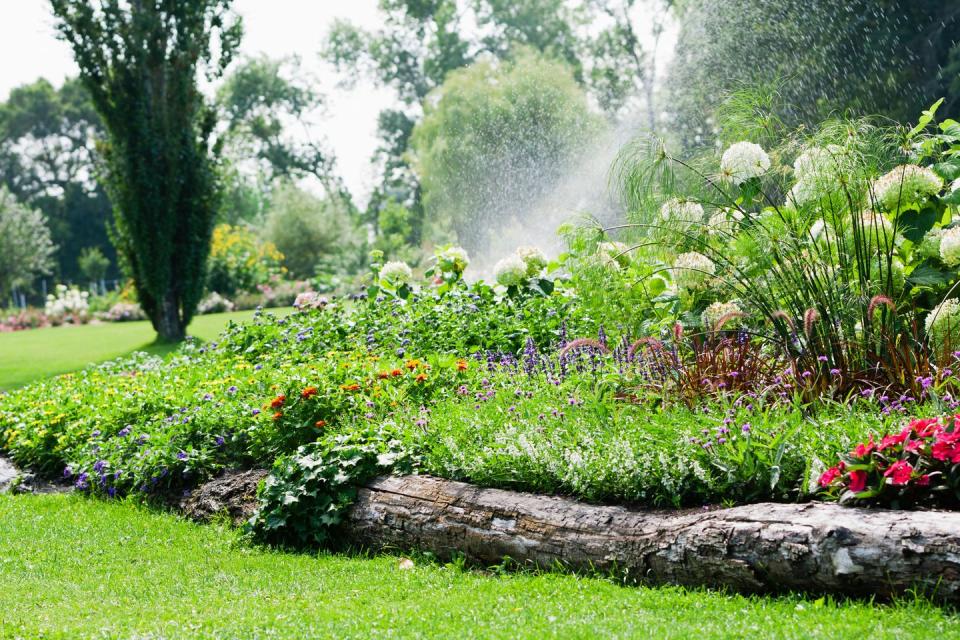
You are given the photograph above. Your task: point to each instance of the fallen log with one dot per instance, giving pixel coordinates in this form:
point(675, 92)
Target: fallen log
point(814, 547)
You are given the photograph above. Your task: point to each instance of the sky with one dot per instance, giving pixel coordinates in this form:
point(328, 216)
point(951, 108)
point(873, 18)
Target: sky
point(29, 50)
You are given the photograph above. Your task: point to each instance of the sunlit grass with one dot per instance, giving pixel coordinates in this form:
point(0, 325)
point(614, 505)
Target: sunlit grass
point(71, 567)
point(31, 355)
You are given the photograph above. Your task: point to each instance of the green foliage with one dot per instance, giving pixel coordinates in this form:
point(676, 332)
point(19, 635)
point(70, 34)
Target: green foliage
point(26, 250)
point(240, 260)
point(860, 57)
point(315, 236)
point(47, 161)
point(495, 137)
point(93, 264)
point(308, 493)
point(140, 65)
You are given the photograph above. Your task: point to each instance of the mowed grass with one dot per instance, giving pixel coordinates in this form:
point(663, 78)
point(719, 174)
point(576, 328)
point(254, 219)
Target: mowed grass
point(31, 355)
point(71, 567)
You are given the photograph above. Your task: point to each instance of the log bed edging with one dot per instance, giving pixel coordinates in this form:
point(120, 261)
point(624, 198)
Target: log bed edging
point(765, 547)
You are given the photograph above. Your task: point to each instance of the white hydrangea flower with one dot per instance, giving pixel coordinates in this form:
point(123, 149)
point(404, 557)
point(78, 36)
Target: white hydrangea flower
point(534, 259)
point(511, 271)
point(955, 186)
point(723, 221)
point(881, 274)
point(803, 192)
point(396, 273)
point(684, 211)
point(68, 301)
point(950, 247)
point(717, 311)
point(692, 270)
point(453, 259)
point(812, 163)
point(929, 246)
point(310, 300)
point(743, 161)
point(943, 325)
point(876, 225)
point(905, 185)
point(613, 254)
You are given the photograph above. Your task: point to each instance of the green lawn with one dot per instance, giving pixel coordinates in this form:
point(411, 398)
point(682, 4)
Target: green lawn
point(31, 355)
point(71, 567)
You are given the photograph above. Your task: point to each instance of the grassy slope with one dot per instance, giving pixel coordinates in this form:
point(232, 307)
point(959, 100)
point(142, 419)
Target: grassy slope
point(31, 355)
point(71, 567)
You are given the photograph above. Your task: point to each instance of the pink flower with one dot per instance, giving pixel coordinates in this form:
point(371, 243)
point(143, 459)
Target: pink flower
point(858, 481)
point(830, 475)
point(899, 472)
point(891, 441)
point(863, 450)
point(925, 428)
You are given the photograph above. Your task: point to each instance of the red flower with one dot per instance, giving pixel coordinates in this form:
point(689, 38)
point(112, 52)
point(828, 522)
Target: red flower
point(863, 450)
point(924, 480)
point(890, 441)
point(421, 377)
point(278, 402)
point(320, 424)
point(277, 415)
point(830, 475)
point(350, 387)
point(383, 375)
point(899, 472)
point(945, 450)
point(925, 428)
point(309, 392)
point(396, 373)
point(858, 481)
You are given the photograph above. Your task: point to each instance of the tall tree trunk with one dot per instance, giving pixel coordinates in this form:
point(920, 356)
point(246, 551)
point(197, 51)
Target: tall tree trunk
point(167, 320)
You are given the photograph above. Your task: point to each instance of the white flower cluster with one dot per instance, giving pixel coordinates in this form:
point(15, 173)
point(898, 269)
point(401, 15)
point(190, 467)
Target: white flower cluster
point(906, 185)
point(692, 270)
point(950, 246)
point(534, 258)
point(743, 161)
point(453, 260)
point(310, 300)
point(818, 172)
point(613, 254)
point(717, 311)
point(214, 303)
point(943, 325)
point(511, 271)
point(68, 301)
point(724, 221)
point(682, 211)
point(124, 312)
point(876, 226)
point(396, 273)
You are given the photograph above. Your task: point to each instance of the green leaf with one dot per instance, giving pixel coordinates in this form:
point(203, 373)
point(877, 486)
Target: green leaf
point(914, 227)
point(925, 119)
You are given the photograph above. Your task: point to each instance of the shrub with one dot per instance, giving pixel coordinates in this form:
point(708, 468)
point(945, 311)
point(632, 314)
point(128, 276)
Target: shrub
point(240, 260)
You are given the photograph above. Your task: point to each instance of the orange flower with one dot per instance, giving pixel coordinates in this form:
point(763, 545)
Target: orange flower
point(277, 415)
point(350, 387)
point(278, 402)
point(309, 392)
point(462, 365)
point(383, 375)
point(412, 364)
point(320, 424)
point(422, 377)
point(396, 372)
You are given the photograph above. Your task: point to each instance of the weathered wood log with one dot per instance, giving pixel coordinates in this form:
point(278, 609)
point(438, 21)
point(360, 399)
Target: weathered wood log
point(767, 547)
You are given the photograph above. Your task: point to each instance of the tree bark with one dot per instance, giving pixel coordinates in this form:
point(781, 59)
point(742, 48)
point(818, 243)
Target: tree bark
point(166, 321)
point(814, 547)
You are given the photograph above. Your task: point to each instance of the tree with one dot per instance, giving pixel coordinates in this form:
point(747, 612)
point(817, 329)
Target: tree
point(887, 57)
point(262, 100)
point(313, 234)
point(494, 140)
point(26, 250)
point(140, 61)
point(47, 160)
point(93, 264)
